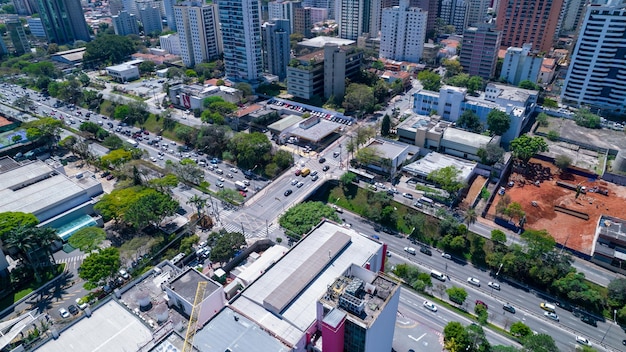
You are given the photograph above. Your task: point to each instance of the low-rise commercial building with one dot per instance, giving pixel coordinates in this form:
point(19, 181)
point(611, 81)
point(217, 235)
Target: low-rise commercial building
point(123, 72)
point(609, 249)
point(433, 161)
point(190, 97)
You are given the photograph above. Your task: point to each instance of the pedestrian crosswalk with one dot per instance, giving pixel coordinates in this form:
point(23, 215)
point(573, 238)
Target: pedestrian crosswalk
point(260, 231)
point(71, 260)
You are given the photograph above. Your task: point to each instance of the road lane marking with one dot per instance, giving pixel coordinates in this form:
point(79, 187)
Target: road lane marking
point(417, 339)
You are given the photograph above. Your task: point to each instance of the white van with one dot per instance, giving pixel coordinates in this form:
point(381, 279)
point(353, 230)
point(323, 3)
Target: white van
point(548, 307)
point(437, 275)
point(410, 250)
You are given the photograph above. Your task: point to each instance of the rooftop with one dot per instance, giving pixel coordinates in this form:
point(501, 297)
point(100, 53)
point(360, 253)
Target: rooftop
point(110, 328)
point(316, 132)
point(422, 122)
point(613, 228)
point(388, 149)
point(360, 293)
point(255, 269)
point(186, 284)
point(435, 161)
point(320, 41)
point(313, 264)
point(471, 139)
point(74, 55)
point(232, 331)
point(120, 67)
point(285, 123)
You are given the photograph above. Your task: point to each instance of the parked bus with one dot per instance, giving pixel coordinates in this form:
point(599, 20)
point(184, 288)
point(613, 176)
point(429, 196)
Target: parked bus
point(426, 200)
point(437, 275)
point(132, 142)
point(241, 186)
point(305, 172)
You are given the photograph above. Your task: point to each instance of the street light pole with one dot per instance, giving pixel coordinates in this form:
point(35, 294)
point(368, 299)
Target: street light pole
point(609, 328)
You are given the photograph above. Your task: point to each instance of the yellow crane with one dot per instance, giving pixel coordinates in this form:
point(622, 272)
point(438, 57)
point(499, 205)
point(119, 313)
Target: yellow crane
point(193, 318)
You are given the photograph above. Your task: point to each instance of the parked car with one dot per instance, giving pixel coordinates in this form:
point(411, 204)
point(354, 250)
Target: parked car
point(73, 310)
point(473, 281)
point(124, 274)
point(81, 303)
point(407, 195)
point(64, 313)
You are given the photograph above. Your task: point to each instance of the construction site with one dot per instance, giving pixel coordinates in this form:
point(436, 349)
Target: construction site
point(566, 204)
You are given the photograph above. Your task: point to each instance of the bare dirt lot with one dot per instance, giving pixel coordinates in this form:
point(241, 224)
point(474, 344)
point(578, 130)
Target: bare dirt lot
point(575, 233)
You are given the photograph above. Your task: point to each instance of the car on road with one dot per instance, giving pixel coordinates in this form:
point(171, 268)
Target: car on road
point(336, 154)
point(294, 182)
point(473, 281)
point(509, 308)
point(298, 171)
point(64, 313)
point(624, 342)
point(426, 250)
point(322, 160)
point(583, 341)
point(229, 175)
point(288, 192)
point(243, 194)
point(300, 184)
point(551, 315)
point(219, 171)
point(547, 306)
point(325, 168)
point(221, 179)
point(446, 255)
point(588, 320)
point(234, 170)
point(479, 302)
point(314, 178)
point(153, 159)
point(313, 173)
point(407, 195)
point(494, 285)
point(430, 306)
point(219, 185)
point(410, 250)
point(73, 310)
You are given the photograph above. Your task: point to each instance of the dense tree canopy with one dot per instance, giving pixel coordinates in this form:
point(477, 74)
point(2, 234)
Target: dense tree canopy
point(525, 147)
point(250, 149)
point(498, 122)
point(100, 266)
point(430, 80)
point(447, 179)
point(470, 121)
point(359, 98)
point(300, 219)
point(88, 238)
point(11, 220)
point(108, 49)
point(137, 206)
point(225, 245)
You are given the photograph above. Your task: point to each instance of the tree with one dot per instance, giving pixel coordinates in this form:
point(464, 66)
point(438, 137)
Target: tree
point(542, 119)
point(539, 242)
point(574, 287)
point(455, 337)
point(245, 88)
point(116, 158)
point(300, 219)
point(146, 66)
point(100, 266)
point(526, 84)
point(430, 80)
point(250, 149)
point(230, 195)
point(113, 142)
point(23, 102)
point(10, 221)
point(474, 84)
point(46, 130)
point(368, 156)
point(519, 329)
point(359, 98)
point(562, 162)
point(498, 122)
point(347, 178)
point(213, 139)
point(481, 313)
point(108, 49)
point(459, 80)
point(470, 216)
point(457, 295)
point(186, 171)
point(585, 118)
point(453, 67)
point(121, 112)
point(525, 147)
point(617, 292)
point(164, 184)
point(87, 239)
point(539, 343)
point(490, 154)
point(150, 208)
point(447, 179)
point(84, 79)
point(385, 126)
point(514, 211)
point(226, 244)
point(553, 135)
point(550, 103)
point(470, 121)
point(498, 236)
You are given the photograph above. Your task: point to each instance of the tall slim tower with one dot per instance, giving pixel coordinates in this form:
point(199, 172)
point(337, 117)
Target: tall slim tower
point(63, 20)
point(403, 32)
point(477, 12)
point(241, 36)
point(479, 52)
point(17, 35)
point(523, 21)
point(454, 12)
point(168, 6)
point(356, 17)
point(198, 31)
point(276, 47)
point(125, 23)
point(596, 73)
point(151, 19)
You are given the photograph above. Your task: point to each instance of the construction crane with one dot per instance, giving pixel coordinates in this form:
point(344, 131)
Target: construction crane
point(193, 318)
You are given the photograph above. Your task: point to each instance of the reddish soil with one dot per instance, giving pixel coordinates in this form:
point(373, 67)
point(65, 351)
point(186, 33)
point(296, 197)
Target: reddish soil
point(575, 233)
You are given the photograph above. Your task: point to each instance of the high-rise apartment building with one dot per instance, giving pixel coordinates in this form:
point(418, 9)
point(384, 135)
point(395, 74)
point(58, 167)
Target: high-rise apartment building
point(168, 7)
point(356, 17)
point(170, 43)
point(430, 7)
point(302, 22)
point(125, 23)
point(477, 12)
point(480, 51)
point(454, 12)
point(241, 35)
point(595, 77)
point(25, 7)
point(36, 27)
point(198, 32)
point(521, 64)
point(63, 20)
point(523, 21)
point(276, 47)
point(282, 10)
point(15, 30)
point(403, 33)
point(572, 14)
point(151, 19)
point(115, 6)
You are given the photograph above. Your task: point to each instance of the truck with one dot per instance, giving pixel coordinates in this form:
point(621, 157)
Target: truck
point(132, 142)
point(241, 186)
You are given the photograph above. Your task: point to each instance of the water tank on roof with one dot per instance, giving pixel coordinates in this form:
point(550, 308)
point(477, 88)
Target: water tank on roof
point(619, 164)
point(162, 313)
point(143, 300)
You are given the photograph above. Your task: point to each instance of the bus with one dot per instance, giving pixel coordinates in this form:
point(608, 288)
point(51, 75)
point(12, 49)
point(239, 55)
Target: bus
point(437, 275)
point(241, 186)
point(132, 142)
point(305, 172)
